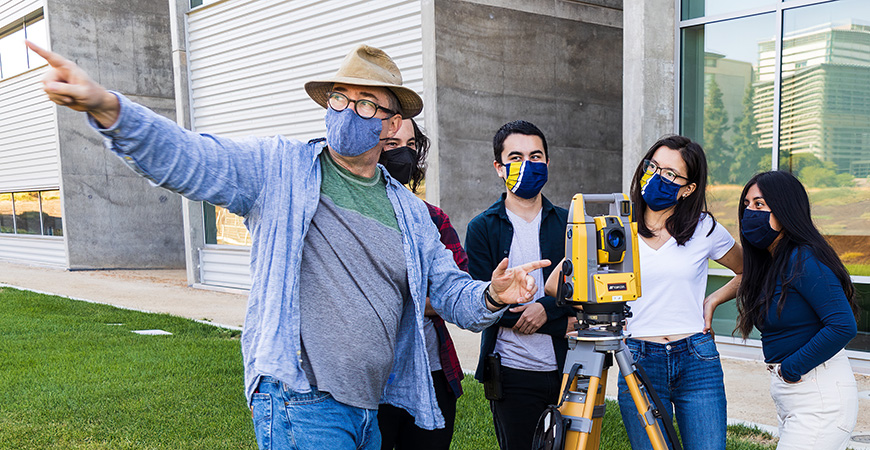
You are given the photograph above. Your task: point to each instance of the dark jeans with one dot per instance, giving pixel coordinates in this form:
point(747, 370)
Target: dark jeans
point(687, 376)
point(526, 395)
point(397, 426)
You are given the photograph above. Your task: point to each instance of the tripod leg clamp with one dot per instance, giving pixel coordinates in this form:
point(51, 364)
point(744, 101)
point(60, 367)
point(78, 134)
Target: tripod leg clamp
point(648, 417)
point(579, 424)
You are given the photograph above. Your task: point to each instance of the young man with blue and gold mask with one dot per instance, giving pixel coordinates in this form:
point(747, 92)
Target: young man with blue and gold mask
point(525, 349)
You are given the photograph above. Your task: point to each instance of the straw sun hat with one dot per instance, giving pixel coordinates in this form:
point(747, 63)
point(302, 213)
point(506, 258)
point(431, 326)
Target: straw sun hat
point(368, 66)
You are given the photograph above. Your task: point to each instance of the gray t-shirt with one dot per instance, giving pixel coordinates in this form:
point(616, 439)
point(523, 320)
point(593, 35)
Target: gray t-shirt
point(353, 287)
point(432, 347)
point(532, 352)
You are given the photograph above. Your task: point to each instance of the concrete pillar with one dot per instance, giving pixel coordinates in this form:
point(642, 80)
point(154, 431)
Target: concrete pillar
point(113, 218)
point(192, 216)
point(648, 79)
point(548, 62)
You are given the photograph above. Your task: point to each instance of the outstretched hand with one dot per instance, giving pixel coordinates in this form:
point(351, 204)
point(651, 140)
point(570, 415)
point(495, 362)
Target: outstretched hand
point(515, 285)
point(68, 85)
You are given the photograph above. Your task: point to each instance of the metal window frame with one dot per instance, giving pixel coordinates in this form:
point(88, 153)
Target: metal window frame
point(778, 9)
point(39, 193)
point(21, 24)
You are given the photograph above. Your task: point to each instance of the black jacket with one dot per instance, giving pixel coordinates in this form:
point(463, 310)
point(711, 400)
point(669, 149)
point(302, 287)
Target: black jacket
point(488, 241)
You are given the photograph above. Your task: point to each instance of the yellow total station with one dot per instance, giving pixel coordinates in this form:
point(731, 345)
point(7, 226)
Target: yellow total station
point(606, 268)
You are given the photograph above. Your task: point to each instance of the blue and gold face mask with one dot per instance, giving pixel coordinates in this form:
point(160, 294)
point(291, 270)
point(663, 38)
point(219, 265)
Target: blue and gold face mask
point(525, 179)
point(657, 192)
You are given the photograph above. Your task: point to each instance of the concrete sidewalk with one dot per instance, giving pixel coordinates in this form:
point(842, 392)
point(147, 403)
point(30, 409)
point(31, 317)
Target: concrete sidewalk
point(166, 291)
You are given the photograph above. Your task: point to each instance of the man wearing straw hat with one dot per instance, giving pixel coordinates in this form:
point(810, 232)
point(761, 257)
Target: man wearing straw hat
point(342, 257)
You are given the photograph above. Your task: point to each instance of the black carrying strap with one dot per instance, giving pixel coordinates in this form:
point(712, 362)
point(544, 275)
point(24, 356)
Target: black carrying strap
point(571, 374)
point(659, 411)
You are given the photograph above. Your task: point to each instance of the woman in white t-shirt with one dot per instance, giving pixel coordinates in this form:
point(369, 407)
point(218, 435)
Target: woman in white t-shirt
point(670, 325)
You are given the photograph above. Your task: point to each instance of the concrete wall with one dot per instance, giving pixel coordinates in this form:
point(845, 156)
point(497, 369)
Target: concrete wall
point(556, 64)
point(650, 84)
point(112, 217)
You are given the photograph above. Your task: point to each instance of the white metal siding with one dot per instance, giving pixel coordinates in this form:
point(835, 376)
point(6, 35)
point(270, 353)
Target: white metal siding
point(28, 137)
point(223, 267)
point(40, 250)
point(250, 59)
point(12, 10)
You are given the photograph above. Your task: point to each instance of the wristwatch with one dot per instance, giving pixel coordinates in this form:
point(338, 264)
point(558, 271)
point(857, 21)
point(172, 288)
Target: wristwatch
point(491, 300)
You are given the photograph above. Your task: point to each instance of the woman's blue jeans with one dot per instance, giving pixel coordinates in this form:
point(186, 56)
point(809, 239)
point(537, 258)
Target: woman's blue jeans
point(286, 420)
point(687, 376)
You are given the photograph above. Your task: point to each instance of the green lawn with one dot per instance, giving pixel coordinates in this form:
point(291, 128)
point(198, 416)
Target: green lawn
point(73, 376)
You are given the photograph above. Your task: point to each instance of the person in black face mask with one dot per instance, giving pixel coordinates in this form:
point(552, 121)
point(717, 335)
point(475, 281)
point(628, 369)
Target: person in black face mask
point(797, 292)
point(404, 157)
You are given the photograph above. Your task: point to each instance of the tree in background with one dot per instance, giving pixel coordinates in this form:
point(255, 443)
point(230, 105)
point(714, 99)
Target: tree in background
point(748, 157)
point(815, 173)
point(719, 153)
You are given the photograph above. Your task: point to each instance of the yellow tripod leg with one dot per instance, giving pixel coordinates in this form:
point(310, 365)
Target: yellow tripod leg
point(578, 440)
point(643, 408)
point(597, 422)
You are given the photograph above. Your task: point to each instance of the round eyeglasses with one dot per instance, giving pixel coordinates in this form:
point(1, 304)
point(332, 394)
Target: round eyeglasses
point(363, 108)
point(668, 174)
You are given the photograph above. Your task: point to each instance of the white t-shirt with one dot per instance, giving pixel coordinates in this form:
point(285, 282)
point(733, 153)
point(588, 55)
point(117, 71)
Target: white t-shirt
point(673, 282)
point(532, 352)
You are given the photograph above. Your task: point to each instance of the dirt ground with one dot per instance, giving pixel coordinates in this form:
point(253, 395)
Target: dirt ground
point(746, 382)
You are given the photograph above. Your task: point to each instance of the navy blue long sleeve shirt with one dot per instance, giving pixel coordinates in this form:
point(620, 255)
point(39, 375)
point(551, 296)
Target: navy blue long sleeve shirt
point(816, 321)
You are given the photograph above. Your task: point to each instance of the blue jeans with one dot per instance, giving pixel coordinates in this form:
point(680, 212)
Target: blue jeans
point(286, 420)
point(687, 376)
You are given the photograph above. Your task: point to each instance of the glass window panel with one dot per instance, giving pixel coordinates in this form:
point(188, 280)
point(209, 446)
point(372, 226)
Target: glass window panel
point(52, 223)
point(36, 33)
point(195, 3)
point(692, 9)
point(723, 86)
point(6, 214)
point(27, 213)
point(223, 227)
point(825, 120)
point(13, 54)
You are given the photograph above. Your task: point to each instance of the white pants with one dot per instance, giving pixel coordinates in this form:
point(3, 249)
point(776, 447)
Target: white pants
point(820, 411)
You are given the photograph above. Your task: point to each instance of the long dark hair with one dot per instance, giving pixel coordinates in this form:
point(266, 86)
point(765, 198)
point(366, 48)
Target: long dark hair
point(682, 223)
point(789, 203)
point(419, 171)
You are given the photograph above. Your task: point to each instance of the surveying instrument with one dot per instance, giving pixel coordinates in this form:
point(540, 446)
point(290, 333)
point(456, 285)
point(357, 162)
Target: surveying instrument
point(600, 274)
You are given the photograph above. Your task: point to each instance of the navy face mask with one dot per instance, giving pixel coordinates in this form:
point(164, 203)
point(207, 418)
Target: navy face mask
point(400, 162)
point(349, 134)
point(659, 193)
point(755, 227)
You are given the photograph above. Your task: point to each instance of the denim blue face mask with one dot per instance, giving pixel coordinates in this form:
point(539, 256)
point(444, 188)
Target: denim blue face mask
point(755, 227)
point(659, 193)
point(349, 134)
point(526, 179)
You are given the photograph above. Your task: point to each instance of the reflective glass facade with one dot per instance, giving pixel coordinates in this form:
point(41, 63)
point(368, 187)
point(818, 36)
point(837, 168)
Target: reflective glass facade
point(784, 85)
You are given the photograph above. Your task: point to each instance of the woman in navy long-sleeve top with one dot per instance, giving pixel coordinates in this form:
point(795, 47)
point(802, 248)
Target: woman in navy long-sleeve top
point(797, 292)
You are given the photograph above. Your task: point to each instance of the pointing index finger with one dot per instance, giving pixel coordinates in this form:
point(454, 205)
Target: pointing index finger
point(535, 265)
point(53, 58)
